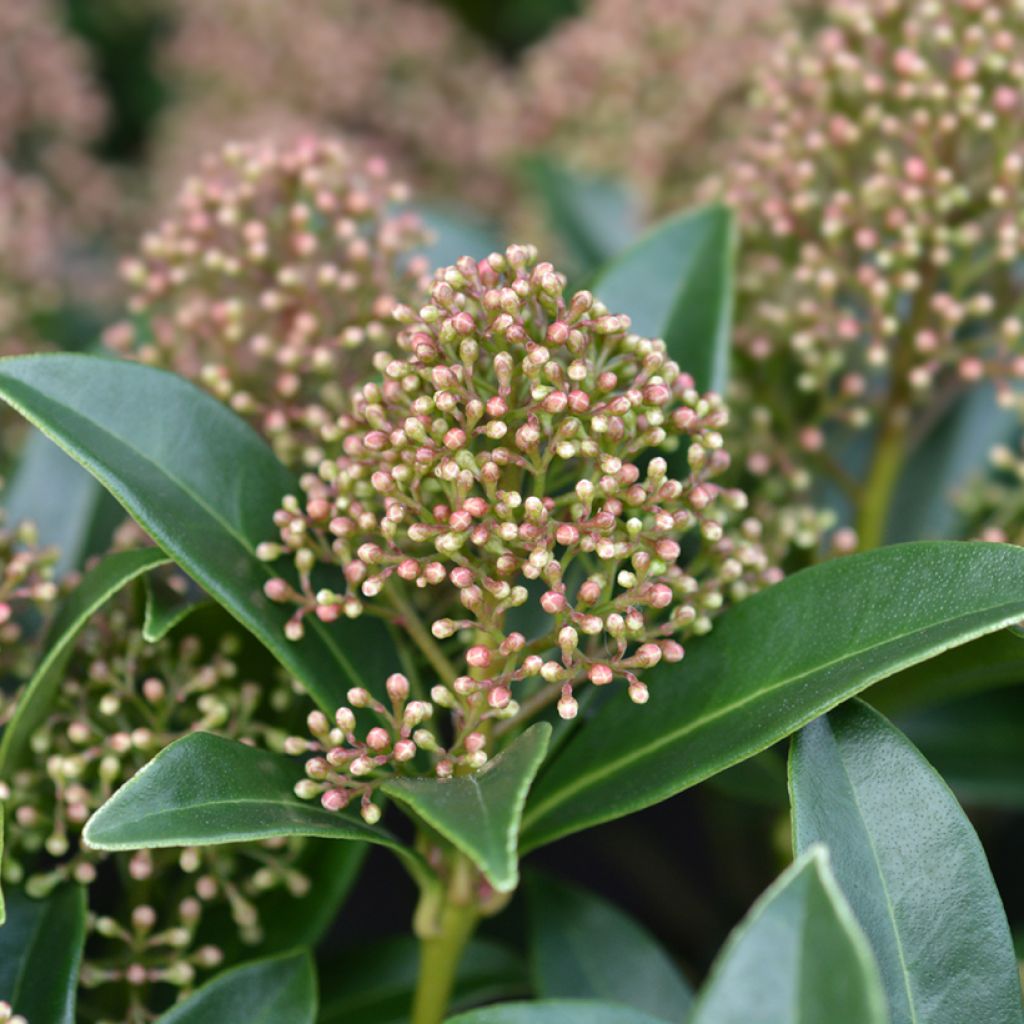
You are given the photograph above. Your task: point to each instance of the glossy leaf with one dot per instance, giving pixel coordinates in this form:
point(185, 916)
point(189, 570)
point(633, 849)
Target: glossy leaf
point(771, 665)
point(976, 744)
point(798, 957)
point(205, 487)
point(204, 790)
point(595, 218)
point(555, 1011)
point(165, 609)
point(373, 982)
point(280, 990)
point(95, 589)
point(676, 284)
point(987, 663)
point(912, 867)
point(582, 947)
point(481, 813)
point(40, 950)
point(56, 494)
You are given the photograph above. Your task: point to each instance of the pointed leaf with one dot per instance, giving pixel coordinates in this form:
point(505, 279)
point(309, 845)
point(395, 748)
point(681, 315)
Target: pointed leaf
point(676, 283)
point(95, 589)
point(480, 813)
point(770, 666)
point(798, 957)
point(203, 790)
point(912, 867)
point(595, 218)
point(582, 947)
point(166, 609)
point(373, 983)
point(40, 950)
point(555, 1011)
point(203, 485)
point(280, 990)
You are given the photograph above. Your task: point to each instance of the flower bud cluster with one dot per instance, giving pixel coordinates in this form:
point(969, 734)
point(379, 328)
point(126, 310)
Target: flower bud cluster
point(346, 767)
point(505, 467)
point(876, 187)
point(643, 92)
point(272, 282)
point(994, 507)
point(26, 586)
point(403, 77)
point(122, 701)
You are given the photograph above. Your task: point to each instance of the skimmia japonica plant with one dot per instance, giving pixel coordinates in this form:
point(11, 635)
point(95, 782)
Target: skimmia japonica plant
point(363, 531)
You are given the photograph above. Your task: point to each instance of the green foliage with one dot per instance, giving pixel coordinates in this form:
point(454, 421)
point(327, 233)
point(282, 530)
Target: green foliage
point(769, 667)
point(40, 950)
point(281, 990)
point(555, 1011)
point(677, 284)
point(582, 947)
point(912, 867)
point(798, 957)
point(481, 813)
point(202, 483)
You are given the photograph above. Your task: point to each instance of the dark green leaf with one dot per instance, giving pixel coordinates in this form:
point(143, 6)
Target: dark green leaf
point(798, 957)
point(96, 588)
point(373, 983)
point(913, 868)
point(976, 744)
point(281, 990)
point(203, 484)
point(990, 662)
point(204, 790)
point(458, 233)
point(771, 665)
point(481, 813)
point(40, 950)
point(676, 284)
point(555, 1011)
point(165, 609)
point(595, 218)
point(582, 947)
point(56, 494)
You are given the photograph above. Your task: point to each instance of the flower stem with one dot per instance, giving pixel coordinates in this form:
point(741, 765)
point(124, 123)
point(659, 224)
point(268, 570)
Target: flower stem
point(410, 621)
point(876, 497)
point(442, 941)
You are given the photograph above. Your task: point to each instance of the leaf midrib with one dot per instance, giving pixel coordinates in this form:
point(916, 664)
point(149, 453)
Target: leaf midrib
point(611, 767)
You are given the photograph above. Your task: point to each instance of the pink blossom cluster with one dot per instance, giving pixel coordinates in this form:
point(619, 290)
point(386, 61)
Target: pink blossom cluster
point(877, 189)
point(514, 459)
point(272, 282)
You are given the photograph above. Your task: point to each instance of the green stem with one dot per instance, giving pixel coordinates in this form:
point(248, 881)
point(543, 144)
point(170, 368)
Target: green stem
point(410, 621)
point(876, 496)
point(443, 937)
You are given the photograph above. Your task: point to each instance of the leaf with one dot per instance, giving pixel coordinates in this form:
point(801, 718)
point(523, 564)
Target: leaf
point(457, 233)
point(480, 813)
point(40, 950)
point(203, 485)
point(166, 609)
point(95, 589)
point(583, 947)
point(992, 661)
point(771, 665)
point(373, 983)
point(56, 494)
point(280, 990)
point(912, 867)
point(204, 790)
point(555, 1011)
point(594, 217)
point(676, 283)
point(976, 744)
point(798, 957)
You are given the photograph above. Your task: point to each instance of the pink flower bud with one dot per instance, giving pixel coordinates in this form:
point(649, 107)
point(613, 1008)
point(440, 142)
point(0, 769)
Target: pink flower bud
point(397, 686)
point(478, 656)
